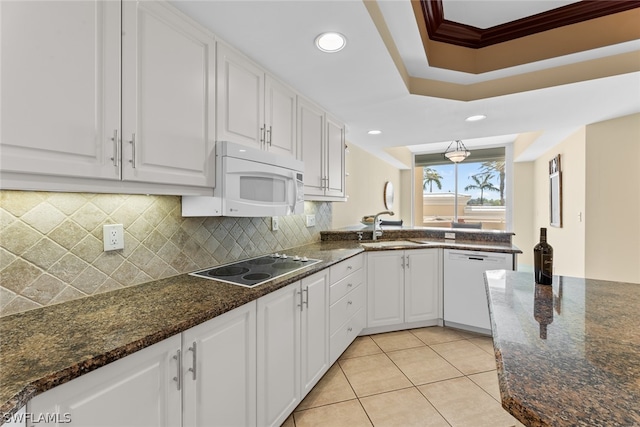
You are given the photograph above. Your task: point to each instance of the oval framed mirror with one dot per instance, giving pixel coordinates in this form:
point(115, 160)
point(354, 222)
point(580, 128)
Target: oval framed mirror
point(388, 195)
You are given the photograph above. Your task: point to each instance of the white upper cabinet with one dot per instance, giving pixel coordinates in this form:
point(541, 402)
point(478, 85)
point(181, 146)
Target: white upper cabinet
point(335, 150)
point(63, 116)
point(322, 142)
point(240, 105)
point(311, 137)
point(168, 72)
point(253, 108)
point(280, 118)
point(60, 87)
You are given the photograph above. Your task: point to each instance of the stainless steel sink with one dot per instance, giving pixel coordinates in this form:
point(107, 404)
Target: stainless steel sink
point(390, 244)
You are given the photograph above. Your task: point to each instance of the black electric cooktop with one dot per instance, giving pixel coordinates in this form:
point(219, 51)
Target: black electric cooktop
point(255, 271)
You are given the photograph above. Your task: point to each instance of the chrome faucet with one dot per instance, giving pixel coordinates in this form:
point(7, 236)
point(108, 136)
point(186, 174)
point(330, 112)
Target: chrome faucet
point(375, 221)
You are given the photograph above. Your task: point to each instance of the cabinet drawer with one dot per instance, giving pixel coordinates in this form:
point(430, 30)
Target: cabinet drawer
point(342, 310)
point(346, 267)
point(346, 334)
point(342, 287)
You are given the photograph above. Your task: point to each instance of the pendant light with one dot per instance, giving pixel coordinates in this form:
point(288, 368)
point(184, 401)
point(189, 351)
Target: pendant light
point(458, 153)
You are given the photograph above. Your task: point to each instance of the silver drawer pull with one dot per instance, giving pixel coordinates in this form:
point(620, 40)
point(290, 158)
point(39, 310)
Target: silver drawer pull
point(178, 379)
point(349, 329)
point(349, 302)
point(194, 360)
point(349, 267)
point(349, 285)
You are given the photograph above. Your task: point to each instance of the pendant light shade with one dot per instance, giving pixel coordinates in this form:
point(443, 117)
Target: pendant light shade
point(458, 153)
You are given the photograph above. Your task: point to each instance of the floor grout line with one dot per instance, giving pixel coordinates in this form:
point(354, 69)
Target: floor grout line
point(413, 386)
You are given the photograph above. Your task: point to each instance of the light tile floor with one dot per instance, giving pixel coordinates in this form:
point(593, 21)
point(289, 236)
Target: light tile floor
point(421, 377)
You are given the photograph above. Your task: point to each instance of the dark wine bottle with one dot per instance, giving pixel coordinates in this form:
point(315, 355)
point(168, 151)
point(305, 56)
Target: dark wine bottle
point(543, 260)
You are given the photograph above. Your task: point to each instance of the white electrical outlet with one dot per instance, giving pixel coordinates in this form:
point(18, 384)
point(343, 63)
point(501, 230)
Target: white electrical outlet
point(113, 236)
point(449, 235)
point(275, 223)
point(311, 220)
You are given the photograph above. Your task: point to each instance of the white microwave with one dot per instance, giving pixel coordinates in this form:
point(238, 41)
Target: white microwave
point(250, 183)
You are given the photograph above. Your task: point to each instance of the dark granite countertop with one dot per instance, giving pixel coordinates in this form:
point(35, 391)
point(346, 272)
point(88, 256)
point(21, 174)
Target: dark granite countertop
point(46, 347)
point(567, 354)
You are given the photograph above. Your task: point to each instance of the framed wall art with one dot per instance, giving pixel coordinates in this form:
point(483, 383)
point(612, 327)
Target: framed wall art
point(555, 192)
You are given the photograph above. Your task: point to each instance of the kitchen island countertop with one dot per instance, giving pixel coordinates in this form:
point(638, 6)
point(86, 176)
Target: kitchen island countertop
point(567, 354)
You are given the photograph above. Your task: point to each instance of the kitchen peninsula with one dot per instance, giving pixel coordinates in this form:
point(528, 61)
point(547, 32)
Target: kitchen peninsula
point(567, 354)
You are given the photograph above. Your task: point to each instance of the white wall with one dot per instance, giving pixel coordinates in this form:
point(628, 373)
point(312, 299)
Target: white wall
point(613, 199)
point(523, 208)
point(367, 175)
point(568, 241)
point(600, 236)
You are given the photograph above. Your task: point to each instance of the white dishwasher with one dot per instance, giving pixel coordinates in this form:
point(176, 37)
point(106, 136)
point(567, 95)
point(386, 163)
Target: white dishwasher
point(465, 299)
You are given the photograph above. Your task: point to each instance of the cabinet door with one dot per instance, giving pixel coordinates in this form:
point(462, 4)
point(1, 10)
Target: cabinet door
point(422, 283)
point(240, 104)
point(315, 330)
point(168, 75)
point(280, 118)
point(60, 84)
point(222, 389)
point(278, 354)
point(311, 142)
point(138, 390)
point(385, 299)
point(335, 158)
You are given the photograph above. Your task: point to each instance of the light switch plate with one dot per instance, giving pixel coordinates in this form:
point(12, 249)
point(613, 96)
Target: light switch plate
point(275, 223)
point(113, 236)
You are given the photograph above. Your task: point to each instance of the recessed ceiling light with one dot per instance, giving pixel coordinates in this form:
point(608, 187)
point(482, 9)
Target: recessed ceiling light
point(330, 42)
point(476, 118)
point(374, 132)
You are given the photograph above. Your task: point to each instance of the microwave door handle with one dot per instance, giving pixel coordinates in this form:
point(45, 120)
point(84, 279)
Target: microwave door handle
point(295, 192)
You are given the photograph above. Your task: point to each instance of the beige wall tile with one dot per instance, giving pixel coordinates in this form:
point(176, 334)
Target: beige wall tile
point(59, 235)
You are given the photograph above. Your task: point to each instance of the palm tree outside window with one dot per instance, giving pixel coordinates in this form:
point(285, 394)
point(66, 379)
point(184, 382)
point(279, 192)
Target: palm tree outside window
point(481, 190)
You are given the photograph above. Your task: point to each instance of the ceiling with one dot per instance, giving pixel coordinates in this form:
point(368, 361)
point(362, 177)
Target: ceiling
point(418, 92)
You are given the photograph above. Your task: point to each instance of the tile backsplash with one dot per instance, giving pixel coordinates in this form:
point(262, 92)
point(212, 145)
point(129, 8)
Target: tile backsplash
point(51, 247)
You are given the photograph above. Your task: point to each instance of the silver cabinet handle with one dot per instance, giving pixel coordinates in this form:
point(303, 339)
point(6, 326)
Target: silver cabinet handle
point(178, 379)
point(269, 135)
point(116, 145)
point(133, 150)
point(263, 136)
point(300, 305)
point(307, 292)
point(349, 302)
point(193, 360)
point(407, 263)
point(349, 285)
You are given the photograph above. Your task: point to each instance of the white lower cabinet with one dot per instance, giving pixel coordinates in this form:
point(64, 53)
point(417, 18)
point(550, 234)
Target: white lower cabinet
point(347, 296)
point(219, 368)
point(137, 390)
point(203, 377)
point(293, 346)
point(404, 287)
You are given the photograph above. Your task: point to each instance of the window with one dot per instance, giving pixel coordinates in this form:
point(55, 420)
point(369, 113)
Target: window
point(480, 194)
